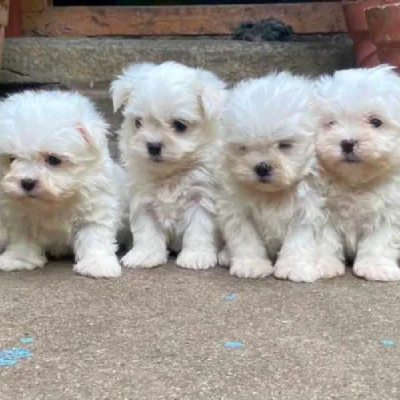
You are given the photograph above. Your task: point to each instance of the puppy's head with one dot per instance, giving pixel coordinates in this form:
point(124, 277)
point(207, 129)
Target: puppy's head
point(359, 132)
point(49, 142)
point(268, 132)
point(170, 112)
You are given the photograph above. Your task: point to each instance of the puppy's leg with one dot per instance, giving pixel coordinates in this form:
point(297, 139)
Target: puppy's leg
point(224, 258)
point(150, 247)
point(330, 253)
point(94, 246)
point(199, 248)
point(297, 259)
point(377, 256)
point(3, 236)
point(247, 251)
point(22, 253)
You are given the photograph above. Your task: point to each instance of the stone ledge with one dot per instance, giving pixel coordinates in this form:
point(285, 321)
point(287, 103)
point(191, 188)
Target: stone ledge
point(91, 62)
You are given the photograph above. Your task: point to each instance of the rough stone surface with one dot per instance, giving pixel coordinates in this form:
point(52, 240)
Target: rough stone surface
point(91, 61)
point(160, 334)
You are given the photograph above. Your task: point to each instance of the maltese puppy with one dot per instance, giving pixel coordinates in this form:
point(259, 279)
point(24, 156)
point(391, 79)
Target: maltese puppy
point(358, 148)
point(269, 203)
point(59, 190)
point(171, 115)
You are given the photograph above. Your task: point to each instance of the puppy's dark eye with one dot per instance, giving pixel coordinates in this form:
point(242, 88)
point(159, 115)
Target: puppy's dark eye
point(53, 160)
point(375, 122)
point(242, 147)
point(285, 144)
point(179, 126)
point(331, 123)
point(12, 158)
point(138, 123)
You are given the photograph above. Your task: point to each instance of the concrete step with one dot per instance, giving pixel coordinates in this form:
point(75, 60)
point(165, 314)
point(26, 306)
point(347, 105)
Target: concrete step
point(103, 103)
point(94, 62)
point(89, 65)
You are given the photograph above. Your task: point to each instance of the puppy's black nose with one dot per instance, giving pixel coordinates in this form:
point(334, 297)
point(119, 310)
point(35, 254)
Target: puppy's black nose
point(154, 148)
point(28, 184)
point(348, 145)
point(262, 169)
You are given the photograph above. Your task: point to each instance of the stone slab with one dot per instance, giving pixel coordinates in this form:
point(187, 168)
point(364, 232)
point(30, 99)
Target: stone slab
point(93, 61)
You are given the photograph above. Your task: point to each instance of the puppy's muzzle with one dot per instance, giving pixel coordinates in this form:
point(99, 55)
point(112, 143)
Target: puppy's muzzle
point(263, 171)
point(154, 148)
point(28, 185)
point(347, 147)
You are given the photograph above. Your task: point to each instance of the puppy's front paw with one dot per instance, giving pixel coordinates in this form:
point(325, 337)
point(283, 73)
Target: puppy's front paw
point(296, 271)
point(140, 257)
point(197, 259)
point(377, 270)
point(249, 268)
point(8, 264)
point(99, 267)
point(224, 258)
point(331, 267)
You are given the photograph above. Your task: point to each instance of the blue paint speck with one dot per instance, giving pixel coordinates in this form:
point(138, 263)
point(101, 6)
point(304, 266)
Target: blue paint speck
point(387, 343)
point(230, 296)
point(6, 362)
point(11, 356)
point(233, 345)
point(26, 340)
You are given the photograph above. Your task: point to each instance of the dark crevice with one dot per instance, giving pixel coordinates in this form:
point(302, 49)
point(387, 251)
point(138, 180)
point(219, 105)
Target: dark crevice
point(13, 71)
point(10, 88)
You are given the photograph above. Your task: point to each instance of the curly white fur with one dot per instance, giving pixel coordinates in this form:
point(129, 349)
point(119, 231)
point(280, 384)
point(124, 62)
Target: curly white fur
point(271, 122)
point(172, 200)
point(76, 202)
point(362, 187)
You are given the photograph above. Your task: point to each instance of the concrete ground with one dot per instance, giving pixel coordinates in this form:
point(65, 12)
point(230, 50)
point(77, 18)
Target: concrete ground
point(160, 334)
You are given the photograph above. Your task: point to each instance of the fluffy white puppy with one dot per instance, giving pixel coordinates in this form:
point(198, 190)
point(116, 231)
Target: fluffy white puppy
point(59, 189)
point(171, 115)
point(269, 203)
point(358, 147)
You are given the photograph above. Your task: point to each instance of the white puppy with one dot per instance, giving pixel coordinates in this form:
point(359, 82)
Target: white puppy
point(171, 115)
point(59, 187)
point(358, 147)
point(269, 202)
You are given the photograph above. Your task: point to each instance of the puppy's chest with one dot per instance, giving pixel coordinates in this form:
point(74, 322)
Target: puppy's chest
point(272, 220)
point(52, 229)
point(172, 201)
point(359, 211)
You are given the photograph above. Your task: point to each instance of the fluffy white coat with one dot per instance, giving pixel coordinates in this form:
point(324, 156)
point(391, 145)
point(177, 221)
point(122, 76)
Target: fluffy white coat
point(172, 192)
point(271, 122)
point(57, 140)
point(362, 187)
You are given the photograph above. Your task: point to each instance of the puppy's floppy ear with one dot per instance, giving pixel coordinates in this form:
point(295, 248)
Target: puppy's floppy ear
point(213, 102)
point(89, 139)
point(125, 83)
point(120, 90)
point(213, 95)
point(94, 132)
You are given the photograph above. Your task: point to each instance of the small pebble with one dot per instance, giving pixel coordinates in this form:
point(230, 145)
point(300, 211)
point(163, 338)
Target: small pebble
point(233, 345)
